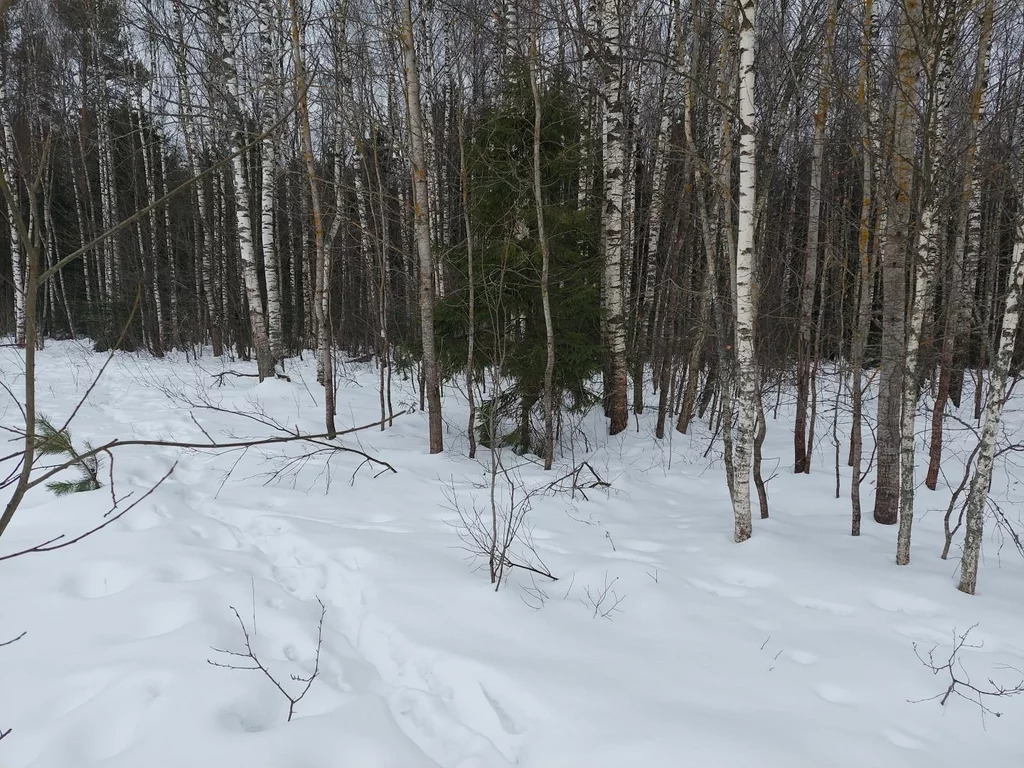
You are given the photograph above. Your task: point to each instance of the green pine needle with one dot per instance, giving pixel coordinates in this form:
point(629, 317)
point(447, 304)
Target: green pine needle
point(50, 441)
point(65, 487)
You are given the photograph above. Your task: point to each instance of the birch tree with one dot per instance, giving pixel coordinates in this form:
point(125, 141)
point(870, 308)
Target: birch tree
point(613, 132)
point(967, 243)
point(802, 448)
point(243, 223)
point(995, 401)
point(926, 264)
point(10, 169)
point(746, 260)
point(867, 103)
point(421, 222)
point(894, 263)
point(270, 53)
point(545, 249)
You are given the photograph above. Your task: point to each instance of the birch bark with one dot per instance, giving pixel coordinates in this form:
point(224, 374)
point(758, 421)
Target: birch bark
point(746, 368)
point(243, 221)
point(994, 403)
point(421, 222)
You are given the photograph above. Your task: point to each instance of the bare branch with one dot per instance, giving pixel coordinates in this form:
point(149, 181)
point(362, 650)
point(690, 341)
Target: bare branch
point(253, 663)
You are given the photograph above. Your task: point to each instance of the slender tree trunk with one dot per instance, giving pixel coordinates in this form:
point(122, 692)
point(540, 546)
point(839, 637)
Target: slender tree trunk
point(866, 101)
point(30, 242)
point(321, 302)
point(645, 298)
point(804, 379)
point(270, 52)
point(614, 127)
point(421, 219)
point(10, 171)
point(994, 403)
point(894, 264)
point(153, 245)
point(186, 115)
point(928, 247)
point(965, 249)
point(471, 281)
point(243, 222)
point(172, 267)
point(545, 250)
point(746, 261)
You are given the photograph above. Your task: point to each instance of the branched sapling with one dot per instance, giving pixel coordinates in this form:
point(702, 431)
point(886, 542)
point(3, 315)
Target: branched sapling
point(960, 680)
point(248, 660)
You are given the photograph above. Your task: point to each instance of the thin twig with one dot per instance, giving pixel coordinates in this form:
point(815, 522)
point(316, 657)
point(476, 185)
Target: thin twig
point(52, 544)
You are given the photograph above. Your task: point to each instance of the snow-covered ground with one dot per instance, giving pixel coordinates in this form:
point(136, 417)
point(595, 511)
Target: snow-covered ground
point(793, 649)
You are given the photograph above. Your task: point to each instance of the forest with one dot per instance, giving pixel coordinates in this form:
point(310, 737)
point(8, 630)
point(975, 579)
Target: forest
point(671, 219)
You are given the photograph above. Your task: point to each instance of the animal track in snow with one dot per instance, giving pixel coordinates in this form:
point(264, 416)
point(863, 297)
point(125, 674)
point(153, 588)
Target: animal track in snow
point(826, 606)
point(161, 617)
point(835, 694)
point(642, 545)
point(422, 717)
point(184, 570)
point(105, 737)
point(100, 579)
point(249, 717)
point(504, 719)
point(743, 577)
point(217, 536)
point(894, 601)
point(718, 590)
point(901, 739)
point(804, 658)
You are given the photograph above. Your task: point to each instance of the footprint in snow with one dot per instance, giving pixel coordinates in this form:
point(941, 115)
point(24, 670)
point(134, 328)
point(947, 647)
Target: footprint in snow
point(302, 581)
point(217, 536)
point(143, 520)
point(100, 579)
point(718, 590)
point(162, 617)
point(804, 658)
point(901, 739)
point(507, 723)
point(835, 694)
point(184, 570)
point(894, 601)
point(426, 721)
point(641, 545)
point(102, 737)
point(826, 606)
point(744, 577)
point(249, 717)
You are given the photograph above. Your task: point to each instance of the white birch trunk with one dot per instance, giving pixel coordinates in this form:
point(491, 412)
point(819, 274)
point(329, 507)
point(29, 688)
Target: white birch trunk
point(421, 219)
point(613, 125)
point(243, 223)
point(172, 267)
point(545, 249)
point(10, 171)
point(746, 368)
point(154, 233)
point(108, 205)
point(187, 119)
point(805, 382)
point(323, 261)
point(897, 233)
point(270, 45)
point(995, 401)
point(925, 268)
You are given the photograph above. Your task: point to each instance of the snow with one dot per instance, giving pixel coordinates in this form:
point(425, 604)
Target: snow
point(793, 649)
